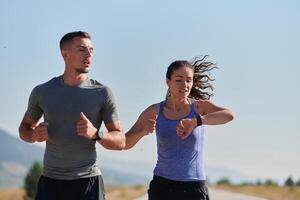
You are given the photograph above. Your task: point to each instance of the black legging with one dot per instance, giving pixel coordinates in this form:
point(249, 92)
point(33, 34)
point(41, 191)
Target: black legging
point(165, 189)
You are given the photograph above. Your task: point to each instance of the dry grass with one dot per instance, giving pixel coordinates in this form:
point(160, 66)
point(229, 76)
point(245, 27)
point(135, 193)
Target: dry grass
point(125, 192)
point(132, 192)
point(268, 192)
point(112, 193)
point(12, 194)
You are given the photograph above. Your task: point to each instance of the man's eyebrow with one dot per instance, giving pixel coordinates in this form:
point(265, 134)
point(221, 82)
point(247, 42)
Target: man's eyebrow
point(83, 46)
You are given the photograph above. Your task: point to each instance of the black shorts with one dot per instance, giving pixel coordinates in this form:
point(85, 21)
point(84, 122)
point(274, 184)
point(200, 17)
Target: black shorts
point(80, 189)
point(166, 189)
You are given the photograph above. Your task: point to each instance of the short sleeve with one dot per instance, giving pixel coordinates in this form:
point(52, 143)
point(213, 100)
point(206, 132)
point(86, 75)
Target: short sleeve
point(34, 110)
point(109, 111)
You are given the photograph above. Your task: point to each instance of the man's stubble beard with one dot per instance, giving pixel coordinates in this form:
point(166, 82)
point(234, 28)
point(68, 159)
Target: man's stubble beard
point(82, 71)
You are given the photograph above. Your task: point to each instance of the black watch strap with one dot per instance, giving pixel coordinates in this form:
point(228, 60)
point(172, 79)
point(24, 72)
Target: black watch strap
point(99, 135)
point(199, 120)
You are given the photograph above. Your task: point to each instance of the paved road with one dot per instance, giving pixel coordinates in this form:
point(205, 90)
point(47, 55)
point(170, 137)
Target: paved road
point(221, 195)
point(226, 195)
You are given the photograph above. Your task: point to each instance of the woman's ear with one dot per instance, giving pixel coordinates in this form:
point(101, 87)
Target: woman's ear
point(168, 82)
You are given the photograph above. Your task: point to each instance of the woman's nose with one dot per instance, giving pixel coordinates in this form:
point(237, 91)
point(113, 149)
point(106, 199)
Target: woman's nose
point(186, 83)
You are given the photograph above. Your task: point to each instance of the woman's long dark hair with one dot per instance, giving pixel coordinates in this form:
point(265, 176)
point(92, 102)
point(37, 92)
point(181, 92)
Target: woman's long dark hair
point(202, 82)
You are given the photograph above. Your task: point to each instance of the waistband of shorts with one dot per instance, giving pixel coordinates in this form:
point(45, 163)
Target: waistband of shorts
point(199, 183)
point(71, 180)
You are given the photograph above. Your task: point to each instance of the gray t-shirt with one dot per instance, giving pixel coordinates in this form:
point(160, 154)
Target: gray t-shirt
point(67, 155)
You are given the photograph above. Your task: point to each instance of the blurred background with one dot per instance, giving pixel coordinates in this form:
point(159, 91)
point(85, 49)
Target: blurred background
point(255, 44)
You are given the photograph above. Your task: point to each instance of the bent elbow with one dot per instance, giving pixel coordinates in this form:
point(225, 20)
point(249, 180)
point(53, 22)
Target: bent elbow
point(230, 116)
point(121, 145)
point(21, 135)
point(20, 129)
point(127, 146)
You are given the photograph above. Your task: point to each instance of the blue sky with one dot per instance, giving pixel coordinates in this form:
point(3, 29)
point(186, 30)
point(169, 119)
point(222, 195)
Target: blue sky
point(255, 44)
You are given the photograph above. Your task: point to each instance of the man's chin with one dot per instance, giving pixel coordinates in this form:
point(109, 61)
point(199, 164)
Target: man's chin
point(83, 70)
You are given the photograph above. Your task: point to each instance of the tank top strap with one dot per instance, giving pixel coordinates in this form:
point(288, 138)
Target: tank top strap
point(160, 108)
point(194, 106)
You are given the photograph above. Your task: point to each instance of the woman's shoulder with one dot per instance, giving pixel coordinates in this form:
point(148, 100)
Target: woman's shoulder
point(201, 105)
point(152, 110)
point(202, 102)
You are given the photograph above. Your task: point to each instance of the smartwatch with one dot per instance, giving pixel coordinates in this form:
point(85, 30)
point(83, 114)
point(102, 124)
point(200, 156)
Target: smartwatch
point(199, 120)
point(99, 135)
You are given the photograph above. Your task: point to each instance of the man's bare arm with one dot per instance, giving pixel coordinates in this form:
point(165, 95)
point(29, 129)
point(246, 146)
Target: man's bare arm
point(30, 132)
point(114, 138)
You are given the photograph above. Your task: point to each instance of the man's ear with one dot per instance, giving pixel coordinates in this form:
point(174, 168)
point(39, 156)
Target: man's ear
point(64, 53)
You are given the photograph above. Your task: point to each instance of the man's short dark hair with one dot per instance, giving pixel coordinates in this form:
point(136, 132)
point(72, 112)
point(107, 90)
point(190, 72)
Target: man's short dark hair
point(67, 38)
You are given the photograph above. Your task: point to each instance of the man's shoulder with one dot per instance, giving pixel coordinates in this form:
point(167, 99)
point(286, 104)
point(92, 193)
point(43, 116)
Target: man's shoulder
point(97, 85)
point(52, 82)
point(46, 85)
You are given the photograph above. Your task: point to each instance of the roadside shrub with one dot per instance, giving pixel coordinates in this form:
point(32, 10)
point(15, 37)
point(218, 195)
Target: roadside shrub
point(32, 178)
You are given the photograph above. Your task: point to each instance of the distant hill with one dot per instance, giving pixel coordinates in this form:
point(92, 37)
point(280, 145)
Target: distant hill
point(17, 156)
point(120, 172)
point(119, 178)
point(13, 149)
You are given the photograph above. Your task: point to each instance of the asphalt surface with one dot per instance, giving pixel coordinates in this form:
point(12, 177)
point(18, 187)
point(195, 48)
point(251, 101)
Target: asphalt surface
point(216, 194)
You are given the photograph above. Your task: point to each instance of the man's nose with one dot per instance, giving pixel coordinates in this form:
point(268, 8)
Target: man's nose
point(89, 52)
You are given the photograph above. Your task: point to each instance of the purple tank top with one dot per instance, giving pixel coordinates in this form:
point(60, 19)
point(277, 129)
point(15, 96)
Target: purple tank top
point(179, 160)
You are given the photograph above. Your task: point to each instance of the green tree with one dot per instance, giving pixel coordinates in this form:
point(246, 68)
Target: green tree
point(289, 182)
point(270, 182)
point(224, 181)
point(32, 178)
point(258, 182)
point(298, 182)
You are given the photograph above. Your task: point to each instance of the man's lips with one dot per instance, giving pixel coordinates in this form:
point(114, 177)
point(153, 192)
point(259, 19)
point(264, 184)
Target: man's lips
point(87, 62)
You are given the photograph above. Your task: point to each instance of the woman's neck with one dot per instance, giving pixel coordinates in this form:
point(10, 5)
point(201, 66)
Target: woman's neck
point(176, 104)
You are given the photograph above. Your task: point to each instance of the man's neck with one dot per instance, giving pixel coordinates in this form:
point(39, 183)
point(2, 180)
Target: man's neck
point(74, 78)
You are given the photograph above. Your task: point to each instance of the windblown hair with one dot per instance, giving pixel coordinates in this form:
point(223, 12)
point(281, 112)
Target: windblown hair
point(202, 82)
point(67, 38)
